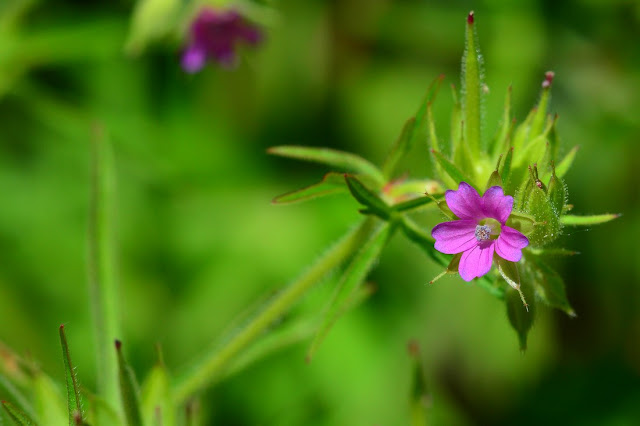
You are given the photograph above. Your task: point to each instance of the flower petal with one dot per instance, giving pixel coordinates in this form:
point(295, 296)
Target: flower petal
point(510, 244)
point(455, 237)
point(193, 59)
point(465, 202)
point(477, 261)
point(496, 204)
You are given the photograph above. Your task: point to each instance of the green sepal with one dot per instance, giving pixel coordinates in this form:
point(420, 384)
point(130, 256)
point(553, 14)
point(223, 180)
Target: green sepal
point(520, 317)
point(557, 193)
point(471, 89)
point(456, 123)
point(549, 286)
point(538, 205)
point(441, 203)
point(375, 205)
point(521, 134)
point(597, 219)
point(331, 157)
point(351, 279)
point(521, 222)
point(74, 399)
point(129, 392)
point(399, 149)
point(452, 268)
point(451, 169)
point(565, 164)
point(331, 183)
point(16, 415)
point(155, 396)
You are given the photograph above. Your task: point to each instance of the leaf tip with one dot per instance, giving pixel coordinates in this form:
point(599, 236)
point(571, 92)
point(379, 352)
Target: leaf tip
point(548, 79)
point(470, 18)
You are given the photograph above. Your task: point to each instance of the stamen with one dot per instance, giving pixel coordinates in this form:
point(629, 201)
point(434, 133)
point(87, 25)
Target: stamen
point(483, 232)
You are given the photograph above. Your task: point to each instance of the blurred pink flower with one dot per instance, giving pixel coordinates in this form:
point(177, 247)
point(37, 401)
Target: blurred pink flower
point(214, 35)
point(480, 230)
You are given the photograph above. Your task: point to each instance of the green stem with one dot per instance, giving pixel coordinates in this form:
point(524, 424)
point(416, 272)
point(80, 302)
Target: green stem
point(209, 369)
point(102, 283)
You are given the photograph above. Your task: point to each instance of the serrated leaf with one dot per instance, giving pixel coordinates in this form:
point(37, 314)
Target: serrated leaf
point(451, 169)
point(331, 157)
point(574, 220)
point(16, 415)
point(399, 150)
point(367, 197)
point(155, 397)
point(331, 183)
point(352, 277)
point(74, 399)
point(565, 164)
point(129, 392)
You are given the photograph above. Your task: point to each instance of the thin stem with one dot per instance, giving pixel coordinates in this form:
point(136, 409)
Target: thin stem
point(209, 369)
point(101, 268)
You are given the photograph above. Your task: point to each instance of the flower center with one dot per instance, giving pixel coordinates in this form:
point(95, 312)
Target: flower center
point(483, 232)
point(487, 229)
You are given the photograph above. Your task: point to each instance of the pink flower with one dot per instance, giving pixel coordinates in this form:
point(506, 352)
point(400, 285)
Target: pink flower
point(480, 231)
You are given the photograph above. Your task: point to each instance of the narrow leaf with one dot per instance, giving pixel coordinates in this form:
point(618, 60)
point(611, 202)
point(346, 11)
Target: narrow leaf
point(500, 142)
point(412, 204)
point(521, 134)
point(353, 276)
point(156, 403)
point(367, 197)
point(471, 87)
point(422, 125)
point(18, 416)
point(538, 123)
point(494, 180)
point(128, 389)
point(50, 407)
point(399, 150)
point(565, 164)
point(456, 120)
point(332, 183)
point(506, 168)
point(74, 401)
point(451, 169)
point(331, 157)
point(573, 220)
point(210, 368)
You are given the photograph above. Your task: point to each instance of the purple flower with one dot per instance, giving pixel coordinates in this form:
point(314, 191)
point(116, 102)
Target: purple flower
point(214, 35)
point(480, 232)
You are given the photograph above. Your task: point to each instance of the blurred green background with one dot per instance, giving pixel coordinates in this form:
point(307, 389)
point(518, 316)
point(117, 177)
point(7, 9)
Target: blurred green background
point(199, 240)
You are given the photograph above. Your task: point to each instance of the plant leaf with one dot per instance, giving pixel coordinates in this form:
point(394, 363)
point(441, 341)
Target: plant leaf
point(400, 149)
point(18, 416)
point(128, 390)
point(565, 164)
point(451, 169)
point(352, 277)
point(521, 317)
point(331, 183)
point(49, 405)
point(550, 287)
point(368, 198)
point(500, 141)
point(471, 89)
point(155, 396)
point(331, 157)
point(573, 220)
point(74, 401)
point(412, 204)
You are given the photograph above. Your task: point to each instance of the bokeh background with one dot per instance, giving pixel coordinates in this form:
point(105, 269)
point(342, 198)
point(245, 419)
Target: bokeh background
point(200, 242)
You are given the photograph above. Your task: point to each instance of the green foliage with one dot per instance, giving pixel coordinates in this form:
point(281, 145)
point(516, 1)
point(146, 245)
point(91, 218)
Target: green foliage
point(129, 392)
point(74, 399)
